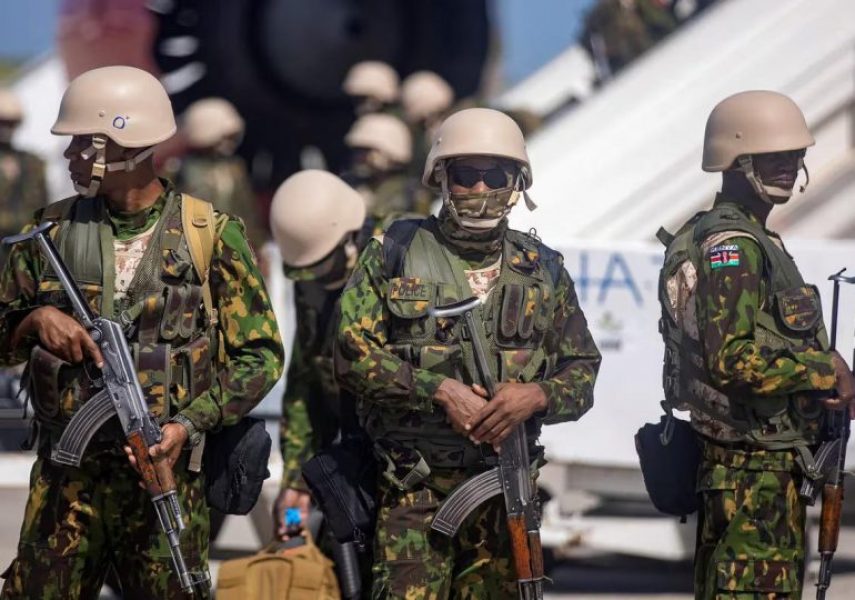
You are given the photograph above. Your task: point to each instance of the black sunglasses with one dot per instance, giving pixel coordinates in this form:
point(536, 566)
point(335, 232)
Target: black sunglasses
point(495, 177)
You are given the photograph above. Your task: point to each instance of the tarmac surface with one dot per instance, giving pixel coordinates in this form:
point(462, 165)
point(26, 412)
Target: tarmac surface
point(596, 578)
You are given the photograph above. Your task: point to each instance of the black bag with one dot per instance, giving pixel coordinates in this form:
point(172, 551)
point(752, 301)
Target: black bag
point(235, 463)
point(669, 453)
point(343, 481)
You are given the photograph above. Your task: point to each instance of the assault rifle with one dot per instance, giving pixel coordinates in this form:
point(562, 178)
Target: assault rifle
point(512, 477)
point(833, 451)
point(120, 395)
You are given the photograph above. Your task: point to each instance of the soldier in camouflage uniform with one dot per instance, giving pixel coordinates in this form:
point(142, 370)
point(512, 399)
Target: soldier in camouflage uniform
point(22, 191)
point(124, 242)
point(211, 169)
point(22, 175)
point(757, 401)
point(381, 150)
point(419, 393)
point(319, 223)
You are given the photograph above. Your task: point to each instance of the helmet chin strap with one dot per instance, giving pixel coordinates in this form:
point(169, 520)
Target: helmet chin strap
point(101, 167)
point(765, 191)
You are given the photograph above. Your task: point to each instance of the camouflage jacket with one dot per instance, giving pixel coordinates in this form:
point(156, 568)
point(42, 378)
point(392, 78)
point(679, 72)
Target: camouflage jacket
point(224, 182)
point(731, 295)
point(733, 289)
point(250, 348)
point(391, 388)
point(22, 191)
point(310, 405)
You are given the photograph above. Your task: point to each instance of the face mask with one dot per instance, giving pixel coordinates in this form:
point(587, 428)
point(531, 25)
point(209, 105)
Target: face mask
point(484, 210)
point(481, 211)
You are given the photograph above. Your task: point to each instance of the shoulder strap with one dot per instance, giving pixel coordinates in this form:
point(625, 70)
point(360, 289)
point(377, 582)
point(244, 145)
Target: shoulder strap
point(201, 230)
point(396, 241)
point(56, 211)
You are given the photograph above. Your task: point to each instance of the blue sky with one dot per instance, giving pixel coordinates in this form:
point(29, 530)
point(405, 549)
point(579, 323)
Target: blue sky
point(27, 27)
point(532, 31)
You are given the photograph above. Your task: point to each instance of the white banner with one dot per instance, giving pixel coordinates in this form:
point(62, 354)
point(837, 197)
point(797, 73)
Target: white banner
point(617, 288)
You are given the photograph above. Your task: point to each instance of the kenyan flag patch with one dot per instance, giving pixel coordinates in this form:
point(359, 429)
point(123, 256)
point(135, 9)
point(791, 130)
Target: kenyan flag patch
point(724, 256)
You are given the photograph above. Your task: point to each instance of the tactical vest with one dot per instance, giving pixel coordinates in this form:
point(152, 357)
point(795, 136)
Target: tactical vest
point(513, 321)
point(790, 317)
point(172, 336)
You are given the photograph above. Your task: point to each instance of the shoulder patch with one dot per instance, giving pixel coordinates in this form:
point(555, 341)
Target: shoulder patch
point(724, 255)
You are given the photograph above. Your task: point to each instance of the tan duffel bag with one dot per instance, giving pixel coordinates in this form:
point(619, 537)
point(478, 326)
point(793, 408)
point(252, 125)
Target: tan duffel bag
point(296, 573)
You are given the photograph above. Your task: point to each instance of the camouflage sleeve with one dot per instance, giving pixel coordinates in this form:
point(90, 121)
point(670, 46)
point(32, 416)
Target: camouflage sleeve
point(362, 365)
point(730, 292)
point(17, 297)
point(570, 389)
point(249, 336)
point(295, 430)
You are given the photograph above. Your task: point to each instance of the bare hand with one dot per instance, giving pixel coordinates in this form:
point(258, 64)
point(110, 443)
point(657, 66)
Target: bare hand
point(844, 386)
point(169, 449)
point(290, 498)
point(60, 334)
point(460, 402)
point(514, 404)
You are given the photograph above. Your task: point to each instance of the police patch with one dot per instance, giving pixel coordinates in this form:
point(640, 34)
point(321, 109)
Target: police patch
point(726, 255)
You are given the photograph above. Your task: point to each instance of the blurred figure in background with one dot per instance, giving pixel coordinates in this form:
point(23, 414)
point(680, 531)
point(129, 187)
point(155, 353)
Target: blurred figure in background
point(618, 31)
point(210, 169)
point(382, 148)
point(23, 191)
point(373, 85)
point(22, 175)
point(425, 99)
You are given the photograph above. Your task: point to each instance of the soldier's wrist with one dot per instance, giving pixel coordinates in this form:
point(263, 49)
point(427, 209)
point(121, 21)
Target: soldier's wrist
point(194, 436)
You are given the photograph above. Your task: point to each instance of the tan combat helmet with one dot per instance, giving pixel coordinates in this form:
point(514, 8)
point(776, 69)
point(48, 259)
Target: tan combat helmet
point(754, 122)
point(479, 132)
point(124, 104)
point(476, 132)
point(311, 213)
point(385, 133)
point(209, 122)
point(11, 110)
point(374, 80)
point(425, 94)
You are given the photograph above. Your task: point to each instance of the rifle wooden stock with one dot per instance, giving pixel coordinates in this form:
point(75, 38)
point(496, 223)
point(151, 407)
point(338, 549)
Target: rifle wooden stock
point(519, 547)
point(536, 553)
point(145, 464)
point(829, 523)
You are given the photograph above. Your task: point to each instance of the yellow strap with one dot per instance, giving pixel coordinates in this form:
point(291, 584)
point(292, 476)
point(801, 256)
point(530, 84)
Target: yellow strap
point(201, 230)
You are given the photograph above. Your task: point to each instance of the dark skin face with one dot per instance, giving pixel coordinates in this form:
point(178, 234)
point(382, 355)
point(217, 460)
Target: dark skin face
point(778, 169)
point(126, 191)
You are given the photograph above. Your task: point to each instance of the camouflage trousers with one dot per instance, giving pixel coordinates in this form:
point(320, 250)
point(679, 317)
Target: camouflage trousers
point(411, 561)
point(80, 521)
point(751, 530)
